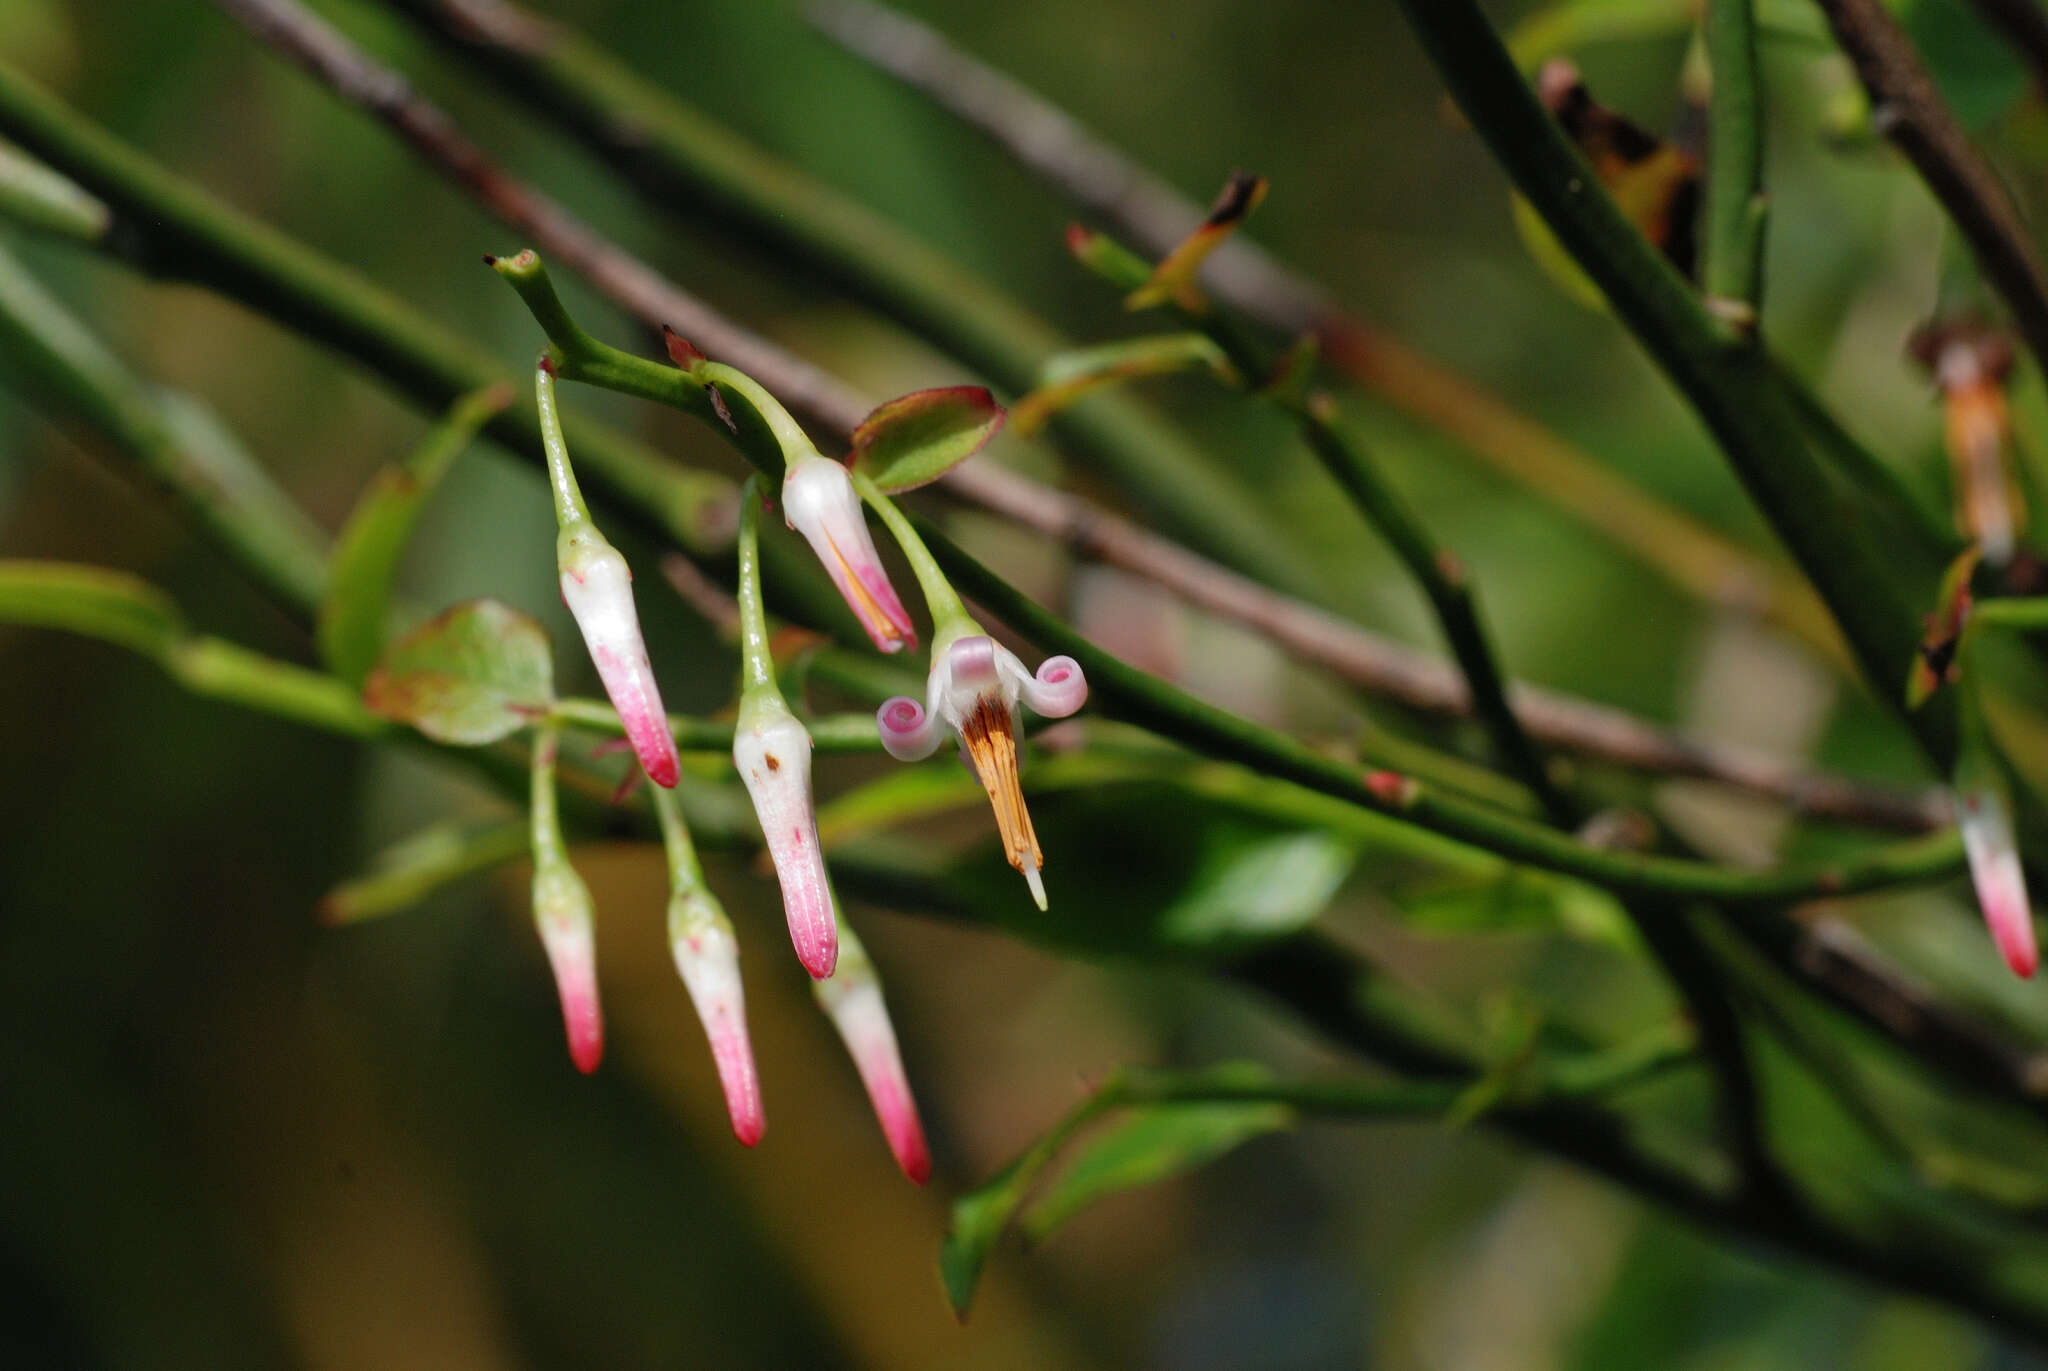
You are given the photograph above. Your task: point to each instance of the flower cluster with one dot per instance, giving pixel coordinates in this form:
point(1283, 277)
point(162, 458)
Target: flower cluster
point(975, 691)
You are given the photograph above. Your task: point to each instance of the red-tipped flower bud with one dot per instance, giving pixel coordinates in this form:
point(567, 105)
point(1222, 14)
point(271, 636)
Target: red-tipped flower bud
point(598, 588)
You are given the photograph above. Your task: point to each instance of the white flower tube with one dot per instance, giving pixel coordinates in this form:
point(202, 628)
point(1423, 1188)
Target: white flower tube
point(818, 501)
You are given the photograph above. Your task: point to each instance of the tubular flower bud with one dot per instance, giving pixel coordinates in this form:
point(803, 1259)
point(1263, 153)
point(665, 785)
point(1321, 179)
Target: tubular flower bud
point(773, 754)
point(974, 689)
point(853, 1000)
point(598, 588)
point(709, 961)
point(2001, 885)
point(562, 913)
point(818, 501)
point(1977, 428)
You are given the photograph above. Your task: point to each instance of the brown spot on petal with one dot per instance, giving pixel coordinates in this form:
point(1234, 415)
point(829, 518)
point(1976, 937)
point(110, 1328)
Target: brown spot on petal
point(774, 762)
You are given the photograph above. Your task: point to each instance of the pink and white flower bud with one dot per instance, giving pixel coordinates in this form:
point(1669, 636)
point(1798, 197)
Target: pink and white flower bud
point(597, 586)
point(853, 999)
point(1995, 870)
point(818, 501)
point(974, 689)
point(709, 961)
point(773, 753)
point(562, 913)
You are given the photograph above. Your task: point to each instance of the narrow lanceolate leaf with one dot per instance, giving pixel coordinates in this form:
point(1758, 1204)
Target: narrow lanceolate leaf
point(478, 672)
point(409, 872)
point(109, 605)
point(1147, 1146)
point(917, 438)
point(1069, 376)
point(1174, 277)
point(365, 563)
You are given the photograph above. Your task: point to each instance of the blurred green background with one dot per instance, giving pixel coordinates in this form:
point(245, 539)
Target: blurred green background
point(229, 1137)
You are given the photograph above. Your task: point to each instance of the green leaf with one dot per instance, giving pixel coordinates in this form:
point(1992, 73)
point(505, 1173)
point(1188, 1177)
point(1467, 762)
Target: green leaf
point(1069, 376)
point(1150, 1145)
point(365, 562)
point(110, 605)
point(917, 438)
point(1137, 867)
point(478, 672)
point(408, 872)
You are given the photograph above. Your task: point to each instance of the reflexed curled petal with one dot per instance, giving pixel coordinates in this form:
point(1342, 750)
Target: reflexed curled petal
point(909, 733)
point(1058, 689)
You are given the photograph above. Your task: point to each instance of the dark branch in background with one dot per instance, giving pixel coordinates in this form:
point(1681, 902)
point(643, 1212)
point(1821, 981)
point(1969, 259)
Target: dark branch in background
point(2025, 26)
point(1907, 109)
point(1413, 679)
point(1148, 210)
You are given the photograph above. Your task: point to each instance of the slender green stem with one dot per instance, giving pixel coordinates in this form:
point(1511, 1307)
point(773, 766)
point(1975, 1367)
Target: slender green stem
point(949, 615)
point(854, 733)
point(171, 228)
point(1146, 700)
point(569, 506)
point(684, 162)
point(57, 363)
point(1732, 387)
point(1442, 578)
point(2029, 614)
point(32, 194)
point(549, 847)
point(685, 872)
point(1736, 207)
point(1862, 467)
point(757, 658)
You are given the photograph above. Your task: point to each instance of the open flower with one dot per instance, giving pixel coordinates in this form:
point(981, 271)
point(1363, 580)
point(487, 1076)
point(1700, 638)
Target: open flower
point(818, 501)
point(973, 690)
point(773, 753)
point(598, 588)
point(700, 937)
point(1986, 822)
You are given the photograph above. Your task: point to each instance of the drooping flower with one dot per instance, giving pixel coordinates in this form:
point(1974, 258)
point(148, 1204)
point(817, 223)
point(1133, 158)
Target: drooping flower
point(1971, 363)
point(852, 998)
point(773, 753)
point(562, 913)
point(708, 959)
point(597, 586)
point(973, 690)
point(818, 501)
point(1986, 821)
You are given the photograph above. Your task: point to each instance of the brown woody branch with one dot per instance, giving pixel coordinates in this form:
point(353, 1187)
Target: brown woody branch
point(1369, 661)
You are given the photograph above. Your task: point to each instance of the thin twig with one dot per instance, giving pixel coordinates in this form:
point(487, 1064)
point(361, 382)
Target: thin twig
point(1155, 216)
point(1907, 108)
point(1364, 659)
